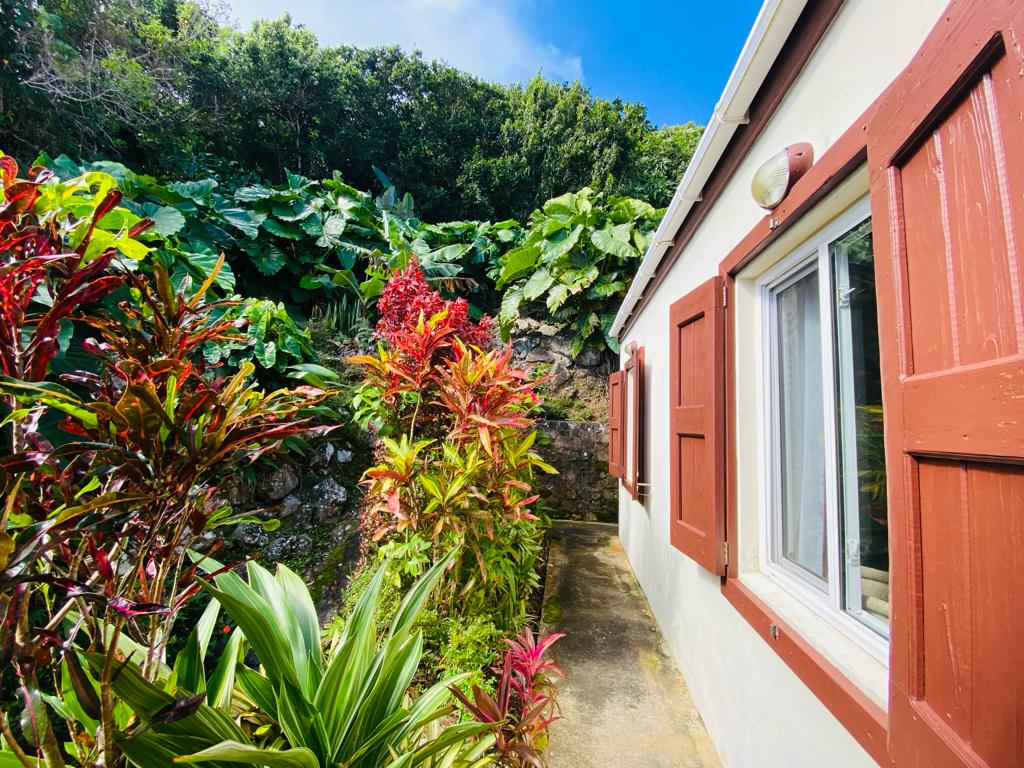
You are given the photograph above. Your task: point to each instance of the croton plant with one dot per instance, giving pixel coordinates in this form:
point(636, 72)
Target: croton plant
point(456, 419)
point(110, 469)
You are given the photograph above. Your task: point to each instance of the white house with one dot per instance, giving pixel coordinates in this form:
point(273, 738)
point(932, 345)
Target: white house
point(819, 421)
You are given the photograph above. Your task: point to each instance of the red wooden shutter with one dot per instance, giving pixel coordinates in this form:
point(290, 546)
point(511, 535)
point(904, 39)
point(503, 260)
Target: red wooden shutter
point(615, 402)
point(946, 159)
point(697, 383)
point(637, 418)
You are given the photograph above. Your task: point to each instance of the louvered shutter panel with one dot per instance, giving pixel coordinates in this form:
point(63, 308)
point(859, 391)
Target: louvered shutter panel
point(697, 451)
point(947, 166)
point(615, 434)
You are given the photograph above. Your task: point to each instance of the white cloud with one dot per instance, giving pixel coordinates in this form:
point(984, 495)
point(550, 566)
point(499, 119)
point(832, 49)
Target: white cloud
point(485, 37)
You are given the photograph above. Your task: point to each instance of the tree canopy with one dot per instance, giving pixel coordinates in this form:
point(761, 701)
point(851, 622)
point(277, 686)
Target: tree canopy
point(168, 88)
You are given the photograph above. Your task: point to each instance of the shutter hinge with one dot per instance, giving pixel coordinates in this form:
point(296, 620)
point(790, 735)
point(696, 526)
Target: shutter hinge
point(725, 553)
point(725, 296)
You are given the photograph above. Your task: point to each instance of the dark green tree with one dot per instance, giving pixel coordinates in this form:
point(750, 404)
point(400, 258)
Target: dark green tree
point(166, 87)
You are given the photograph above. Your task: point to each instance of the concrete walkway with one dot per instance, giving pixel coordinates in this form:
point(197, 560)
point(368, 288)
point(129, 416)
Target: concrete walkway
point(623, 701)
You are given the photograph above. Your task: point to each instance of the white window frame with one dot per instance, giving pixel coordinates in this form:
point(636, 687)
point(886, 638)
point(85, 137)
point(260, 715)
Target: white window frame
point(826, 598)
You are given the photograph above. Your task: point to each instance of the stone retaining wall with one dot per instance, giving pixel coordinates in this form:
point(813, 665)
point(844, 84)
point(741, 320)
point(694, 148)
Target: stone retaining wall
point(583, 489)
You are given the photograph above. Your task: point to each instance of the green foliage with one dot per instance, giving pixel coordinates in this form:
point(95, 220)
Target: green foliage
point(94, 529)
point(303, 704)
point(455, 644)
point(329, 247)
point(164, 86)
point(273, 339)
point(467, 481)
point(467, 646)
point(302, 242)
point(559, 137)
point(575, 263)
point(661, 161)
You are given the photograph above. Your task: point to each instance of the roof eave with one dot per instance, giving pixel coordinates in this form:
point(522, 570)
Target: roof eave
point(773, 26)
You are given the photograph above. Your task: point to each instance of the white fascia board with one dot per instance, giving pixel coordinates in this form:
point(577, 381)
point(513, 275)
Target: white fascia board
point(772, 28)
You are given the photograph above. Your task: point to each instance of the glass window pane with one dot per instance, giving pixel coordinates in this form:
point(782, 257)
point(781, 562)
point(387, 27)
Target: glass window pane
point(861, 449)
point(801, 426)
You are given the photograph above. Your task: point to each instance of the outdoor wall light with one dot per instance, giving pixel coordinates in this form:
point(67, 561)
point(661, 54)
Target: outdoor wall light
point(773, 180)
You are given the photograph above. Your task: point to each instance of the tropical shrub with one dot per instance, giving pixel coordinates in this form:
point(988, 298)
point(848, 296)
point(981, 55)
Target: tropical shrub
point(455, 468)
point(99, 511)
point(524, 704)
point(575, 263)
point(457, 456)
point(407, 296)
point(302, 241)
point(325, 247)
point(303, 703)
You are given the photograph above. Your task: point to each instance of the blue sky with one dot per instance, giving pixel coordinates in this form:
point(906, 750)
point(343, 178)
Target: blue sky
point(672, 55)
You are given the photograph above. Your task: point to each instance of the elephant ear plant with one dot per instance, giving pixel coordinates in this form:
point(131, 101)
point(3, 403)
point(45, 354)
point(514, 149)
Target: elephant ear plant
point(111, 471)
point(575, 263)
point(307, 703)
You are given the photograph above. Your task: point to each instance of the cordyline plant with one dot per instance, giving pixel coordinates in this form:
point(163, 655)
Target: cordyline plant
point(525, 703)
point(302, 705)
point(50, 265)
point(457, 460)
point(95, 528)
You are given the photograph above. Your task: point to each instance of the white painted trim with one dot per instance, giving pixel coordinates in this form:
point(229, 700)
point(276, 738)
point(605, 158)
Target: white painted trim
point(771, 29)
point(827, 603)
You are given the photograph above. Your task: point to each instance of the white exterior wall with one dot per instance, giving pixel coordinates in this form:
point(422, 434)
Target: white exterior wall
point(756, 710)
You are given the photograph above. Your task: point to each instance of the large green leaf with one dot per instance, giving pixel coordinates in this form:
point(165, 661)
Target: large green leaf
point(166, 220)
point(510, 306)
point(416, 597)
point(247, 222)
point(301, 723)
point(303, 610)
point(199, 191)
point(253, 193)
point(539, 282)
point(258, 688)
point(256, 618)
point(297, 621)
point(334, 226)
point(188, 664)
point(10, 760)
point(281, 229)
point(606, 242)
point(566, 204)
point(518, 263)
point(150, 750)
point(221, 685)
point(557, 297)
point(235, 752)
point(629, 208)
point(339, 695)
point(269, 259)
point(555, 248)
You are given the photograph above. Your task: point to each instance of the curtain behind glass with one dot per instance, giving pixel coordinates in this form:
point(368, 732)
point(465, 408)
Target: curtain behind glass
point(802, 429)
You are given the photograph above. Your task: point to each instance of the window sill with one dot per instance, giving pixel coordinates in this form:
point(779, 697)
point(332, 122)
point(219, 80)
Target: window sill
point(860, 713)
point(850, 658)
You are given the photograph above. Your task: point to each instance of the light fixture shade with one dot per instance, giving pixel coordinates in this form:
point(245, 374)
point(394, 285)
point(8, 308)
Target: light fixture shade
point(773, 180)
